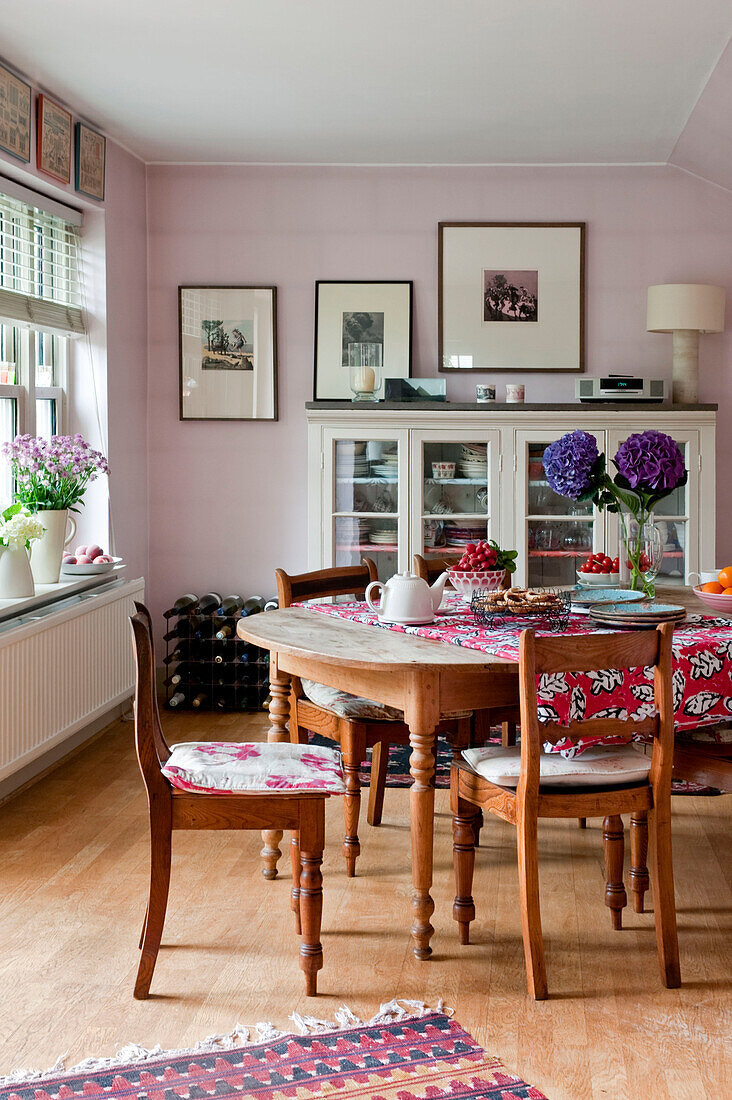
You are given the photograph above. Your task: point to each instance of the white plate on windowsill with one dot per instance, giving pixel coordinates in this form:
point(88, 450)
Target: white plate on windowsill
point(90, 570)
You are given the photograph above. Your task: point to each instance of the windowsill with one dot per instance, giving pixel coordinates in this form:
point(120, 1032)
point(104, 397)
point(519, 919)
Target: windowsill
point(50, 593)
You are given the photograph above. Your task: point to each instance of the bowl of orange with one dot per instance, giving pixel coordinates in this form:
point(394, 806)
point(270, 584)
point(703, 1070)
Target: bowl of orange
point(717, 594)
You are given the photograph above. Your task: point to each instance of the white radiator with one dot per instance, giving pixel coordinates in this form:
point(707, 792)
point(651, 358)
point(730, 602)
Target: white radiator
point(61, 671)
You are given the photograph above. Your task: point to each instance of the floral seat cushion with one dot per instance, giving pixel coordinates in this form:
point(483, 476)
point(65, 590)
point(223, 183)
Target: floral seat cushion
point(220, 767)
point(346, 705)
point(707, 735)
point(593, 768)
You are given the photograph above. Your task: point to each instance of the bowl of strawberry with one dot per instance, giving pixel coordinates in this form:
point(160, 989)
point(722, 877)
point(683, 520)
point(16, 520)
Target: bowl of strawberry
point(482, 568)
point(599, 569)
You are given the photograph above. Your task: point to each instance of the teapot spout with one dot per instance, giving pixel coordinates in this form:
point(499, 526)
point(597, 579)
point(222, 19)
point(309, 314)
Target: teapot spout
point(437, 589)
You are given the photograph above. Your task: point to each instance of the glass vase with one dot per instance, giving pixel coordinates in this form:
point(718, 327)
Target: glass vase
point(641, 552)
point(364, 364)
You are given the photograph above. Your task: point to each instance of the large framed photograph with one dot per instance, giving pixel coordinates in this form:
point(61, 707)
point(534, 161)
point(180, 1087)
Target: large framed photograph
point(360, 312)
point(15, 115)
point(511, 296)
point(228, 352)
point(91, 152)
point(53, 140)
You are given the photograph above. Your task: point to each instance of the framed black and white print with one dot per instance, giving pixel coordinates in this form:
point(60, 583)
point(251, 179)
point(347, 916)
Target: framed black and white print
point(360, 312)
point(228, 352)
point(511, 296)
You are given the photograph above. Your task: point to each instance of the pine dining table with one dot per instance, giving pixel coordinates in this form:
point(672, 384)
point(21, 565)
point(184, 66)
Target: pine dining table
point(424, 678)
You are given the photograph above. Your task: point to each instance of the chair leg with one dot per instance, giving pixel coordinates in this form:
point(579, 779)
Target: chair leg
point(528, 868)
point(463, 859)
point(614, 842)
point(508, 734)
point(144, 926)
point(160, 848)
point(351, 812)
point(312, 841)
point(477, 826)
point(664, 904)
point(379, 768)
point(638, 874)
point(582, 822)
point(296, 872)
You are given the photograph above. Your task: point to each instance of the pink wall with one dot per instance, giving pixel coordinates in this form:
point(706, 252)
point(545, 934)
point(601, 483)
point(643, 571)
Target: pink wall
point(228, 501)
point(705, 145)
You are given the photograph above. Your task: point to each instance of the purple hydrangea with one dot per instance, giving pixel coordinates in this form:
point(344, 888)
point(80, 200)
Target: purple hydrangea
point(650, 461)
point(568, 462)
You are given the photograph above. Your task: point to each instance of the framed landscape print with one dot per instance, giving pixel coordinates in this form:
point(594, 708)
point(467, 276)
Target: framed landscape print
point(53, 140)
point(15, 115)
point(355, 312)
point(228, 352)
point(511, 296)
point(91, 151)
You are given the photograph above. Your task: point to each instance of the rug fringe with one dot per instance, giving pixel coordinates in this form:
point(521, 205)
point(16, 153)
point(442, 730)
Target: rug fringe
point(390, 1012)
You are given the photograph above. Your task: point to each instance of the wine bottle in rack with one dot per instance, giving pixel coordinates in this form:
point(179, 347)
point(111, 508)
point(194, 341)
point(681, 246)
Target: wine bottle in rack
point(209, 603)
point(185, 649)
point(252, 606)
point(199, 700)
point(225, 699)
point(227, 630)
point(181, 674)
point(182, 606)
point(184, 628)
point(271, 604)
point(230, 605)
point(177, 700)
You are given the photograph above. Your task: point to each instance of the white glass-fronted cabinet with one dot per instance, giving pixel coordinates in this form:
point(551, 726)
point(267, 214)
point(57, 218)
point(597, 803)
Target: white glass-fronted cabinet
point(454, 487)
point(366, 509)
point(554, 534)
point(677, 516)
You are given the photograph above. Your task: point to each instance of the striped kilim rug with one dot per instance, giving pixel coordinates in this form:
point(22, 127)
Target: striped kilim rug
point(423, 1057)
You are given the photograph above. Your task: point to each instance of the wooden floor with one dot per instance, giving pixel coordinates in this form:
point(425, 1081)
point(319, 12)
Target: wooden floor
point(73, 869)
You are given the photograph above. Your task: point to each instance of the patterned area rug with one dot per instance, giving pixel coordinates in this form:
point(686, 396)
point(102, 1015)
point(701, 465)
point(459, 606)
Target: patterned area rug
point(398, 768)
point(408, 1058)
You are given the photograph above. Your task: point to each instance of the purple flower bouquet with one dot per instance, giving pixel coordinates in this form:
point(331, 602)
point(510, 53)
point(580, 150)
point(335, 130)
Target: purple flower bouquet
point(53, 474)
point(649, 467)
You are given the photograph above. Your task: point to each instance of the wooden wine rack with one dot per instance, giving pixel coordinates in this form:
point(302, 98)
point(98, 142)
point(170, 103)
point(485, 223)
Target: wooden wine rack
point(206, 664)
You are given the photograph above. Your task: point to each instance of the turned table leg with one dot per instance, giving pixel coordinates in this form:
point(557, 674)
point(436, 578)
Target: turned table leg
point(638, 875)
point(422, 714)
point(279, 713)
point(614, 842)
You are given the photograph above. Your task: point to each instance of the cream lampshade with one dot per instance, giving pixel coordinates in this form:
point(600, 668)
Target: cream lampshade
point(685, 309)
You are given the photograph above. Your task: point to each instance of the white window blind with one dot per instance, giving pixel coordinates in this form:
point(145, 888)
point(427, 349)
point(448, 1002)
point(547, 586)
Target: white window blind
point(40, 278)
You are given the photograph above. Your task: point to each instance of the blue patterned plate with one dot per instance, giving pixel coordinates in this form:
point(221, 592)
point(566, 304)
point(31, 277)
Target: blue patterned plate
point(583, 597)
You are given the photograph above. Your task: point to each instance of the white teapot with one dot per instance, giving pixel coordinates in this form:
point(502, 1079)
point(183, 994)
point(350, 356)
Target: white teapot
point(406, 599)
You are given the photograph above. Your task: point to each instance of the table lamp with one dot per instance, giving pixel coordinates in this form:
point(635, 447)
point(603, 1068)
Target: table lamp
point(685, 309)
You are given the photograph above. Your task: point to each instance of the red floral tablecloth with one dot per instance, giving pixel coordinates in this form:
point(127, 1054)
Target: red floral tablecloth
point(702, 678)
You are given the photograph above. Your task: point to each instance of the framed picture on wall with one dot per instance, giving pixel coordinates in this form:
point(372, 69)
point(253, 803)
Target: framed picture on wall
point(228, 352)
point(91, 152)
point(360, 312)
point(511, 296)
point(15, 115)
point(53, 140)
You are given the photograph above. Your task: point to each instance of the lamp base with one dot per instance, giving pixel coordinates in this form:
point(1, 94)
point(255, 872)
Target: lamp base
point(686, 366)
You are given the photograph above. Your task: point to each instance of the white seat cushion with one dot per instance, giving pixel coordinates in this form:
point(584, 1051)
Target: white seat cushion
point(593, 768)
point(353, 706)
point(221, 767)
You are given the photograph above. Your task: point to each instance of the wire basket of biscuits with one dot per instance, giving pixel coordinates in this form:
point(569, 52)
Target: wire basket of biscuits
point(546, 608)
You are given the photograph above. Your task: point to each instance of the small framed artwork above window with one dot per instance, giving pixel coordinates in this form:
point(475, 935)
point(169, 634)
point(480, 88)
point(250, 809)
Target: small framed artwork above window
point(228, 352)
point(15, 115)
point(360, 312)
point(53, 140)
point(91, 149)
point(511, 296)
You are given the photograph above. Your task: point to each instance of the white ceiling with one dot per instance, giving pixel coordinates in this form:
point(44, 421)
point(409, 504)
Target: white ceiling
point(376, 81)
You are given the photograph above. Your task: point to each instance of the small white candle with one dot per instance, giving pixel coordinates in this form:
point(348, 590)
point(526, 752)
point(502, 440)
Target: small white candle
point(365, 380)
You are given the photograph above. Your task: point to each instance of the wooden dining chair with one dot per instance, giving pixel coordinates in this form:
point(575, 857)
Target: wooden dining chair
point(516, 786)
point(354, 723)
point(213, 785)
point(505, 717)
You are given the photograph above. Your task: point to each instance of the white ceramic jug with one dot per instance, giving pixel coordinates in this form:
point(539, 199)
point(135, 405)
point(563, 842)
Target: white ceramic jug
point(47, 552)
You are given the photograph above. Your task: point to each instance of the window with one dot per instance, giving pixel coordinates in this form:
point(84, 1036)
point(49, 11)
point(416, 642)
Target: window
point(40, 308)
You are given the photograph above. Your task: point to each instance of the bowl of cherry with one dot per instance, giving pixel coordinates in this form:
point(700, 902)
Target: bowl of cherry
point(476, 572)
point(600, 570)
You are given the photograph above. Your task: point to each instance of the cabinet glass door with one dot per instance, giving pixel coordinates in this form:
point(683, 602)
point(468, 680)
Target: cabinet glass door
point(554, 534)
point(675, 516)
point(367, 516)
point(455, 489)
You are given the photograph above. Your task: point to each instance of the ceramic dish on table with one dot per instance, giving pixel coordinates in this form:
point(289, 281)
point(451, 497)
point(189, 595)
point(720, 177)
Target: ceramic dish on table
point(91, 569)
point(589, 597)
point(716, 600)
point(641, 616)
point(598, 580)
point(467, 582)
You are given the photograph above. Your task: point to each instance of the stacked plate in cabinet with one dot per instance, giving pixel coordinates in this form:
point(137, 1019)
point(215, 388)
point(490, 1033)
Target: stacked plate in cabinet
point(353, 529)
point(383, 532)
point(460, 534)
point(641, 616)
point(351, 460)
point(387, 465)
point(473, 462)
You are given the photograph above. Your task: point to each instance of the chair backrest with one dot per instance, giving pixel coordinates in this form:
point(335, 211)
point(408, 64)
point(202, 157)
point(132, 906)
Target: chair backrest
point(592, 653)
point(348, 580)
point(430, 569)
point(152, 748)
